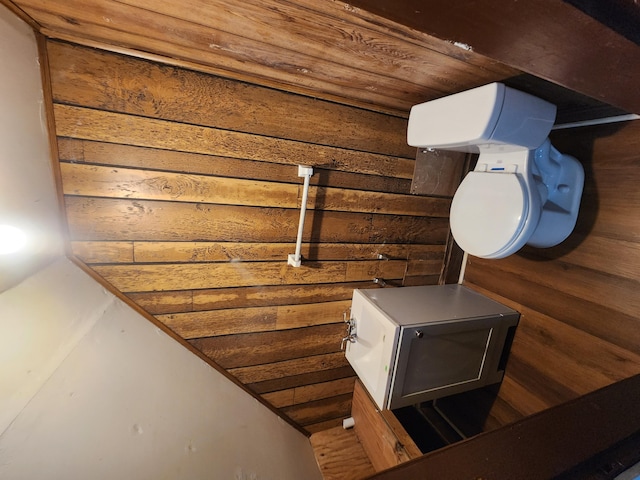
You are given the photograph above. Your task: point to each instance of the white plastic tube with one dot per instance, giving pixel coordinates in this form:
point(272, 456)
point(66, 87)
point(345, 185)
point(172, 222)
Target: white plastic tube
point(463, 267)
point(597, 121)
point(348, 423)
point(295, 259)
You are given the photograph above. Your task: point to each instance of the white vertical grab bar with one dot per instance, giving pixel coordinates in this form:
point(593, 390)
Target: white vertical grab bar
point(295, 259)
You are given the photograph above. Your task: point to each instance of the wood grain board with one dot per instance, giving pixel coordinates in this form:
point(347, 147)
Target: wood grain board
point(569, 43)
point(384, 440)
point(580, 301)
point(101, 153)
point(325, 49)
point(340, 456)
point(544, 445)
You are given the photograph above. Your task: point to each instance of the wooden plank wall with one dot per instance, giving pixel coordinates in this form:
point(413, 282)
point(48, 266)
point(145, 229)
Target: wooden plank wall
point(181, 189)
point(580, 301)
point(327, 48)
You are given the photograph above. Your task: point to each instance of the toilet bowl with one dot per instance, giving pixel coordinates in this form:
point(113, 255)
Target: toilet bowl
point(496, 212)
point(522, 190)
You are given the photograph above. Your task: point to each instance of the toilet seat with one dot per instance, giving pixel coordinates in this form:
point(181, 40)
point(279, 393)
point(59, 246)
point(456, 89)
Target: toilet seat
point(489, 212)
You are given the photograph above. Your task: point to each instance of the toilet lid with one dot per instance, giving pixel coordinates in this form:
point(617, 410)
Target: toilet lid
point(488, 212)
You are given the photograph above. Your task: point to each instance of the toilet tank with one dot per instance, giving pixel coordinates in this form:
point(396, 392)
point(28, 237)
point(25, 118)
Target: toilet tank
point(480, 119)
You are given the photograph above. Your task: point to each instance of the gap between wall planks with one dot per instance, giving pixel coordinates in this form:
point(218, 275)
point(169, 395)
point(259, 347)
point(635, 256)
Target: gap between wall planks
point(191, 211)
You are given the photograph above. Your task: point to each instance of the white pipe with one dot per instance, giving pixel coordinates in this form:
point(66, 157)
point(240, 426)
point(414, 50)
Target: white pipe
point(463, 267)
point(295, 259)
point(303, 212)
point(597, 121)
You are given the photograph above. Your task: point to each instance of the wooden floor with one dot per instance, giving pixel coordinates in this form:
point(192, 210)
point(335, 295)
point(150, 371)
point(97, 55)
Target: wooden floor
point(376, 443)
point(340, 455)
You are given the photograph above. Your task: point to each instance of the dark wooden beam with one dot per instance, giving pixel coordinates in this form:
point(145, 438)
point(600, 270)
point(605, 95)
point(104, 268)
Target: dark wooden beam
point(541, 446)
point(549, 39)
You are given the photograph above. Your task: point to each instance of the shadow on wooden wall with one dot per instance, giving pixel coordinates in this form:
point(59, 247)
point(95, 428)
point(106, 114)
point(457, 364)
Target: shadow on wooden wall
point(579, 301)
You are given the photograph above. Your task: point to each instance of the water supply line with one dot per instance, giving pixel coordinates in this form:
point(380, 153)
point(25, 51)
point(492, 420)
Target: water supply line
point(295, 259)
point(597, 121)
point(463, 267)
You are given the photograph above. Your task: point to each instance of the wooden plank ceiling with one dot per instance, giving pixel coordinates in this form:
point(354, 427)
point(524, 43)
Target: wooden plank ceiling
point(327, 49)
point(180, 177)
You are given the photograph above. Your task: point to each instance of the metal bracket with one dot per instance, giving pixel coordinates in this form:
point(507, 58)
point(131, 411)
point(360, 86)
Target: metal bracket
point(351, 329)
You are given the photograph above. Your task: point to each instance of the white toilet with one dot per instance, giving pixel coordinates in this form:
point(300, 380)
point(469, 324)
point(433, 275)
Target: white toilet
point(522, 191)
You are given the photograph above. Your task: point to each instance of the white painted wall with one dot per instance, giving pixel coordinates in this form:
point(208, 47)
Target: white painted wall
point(27, 190)
point(98, 392)
point(88, 387)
